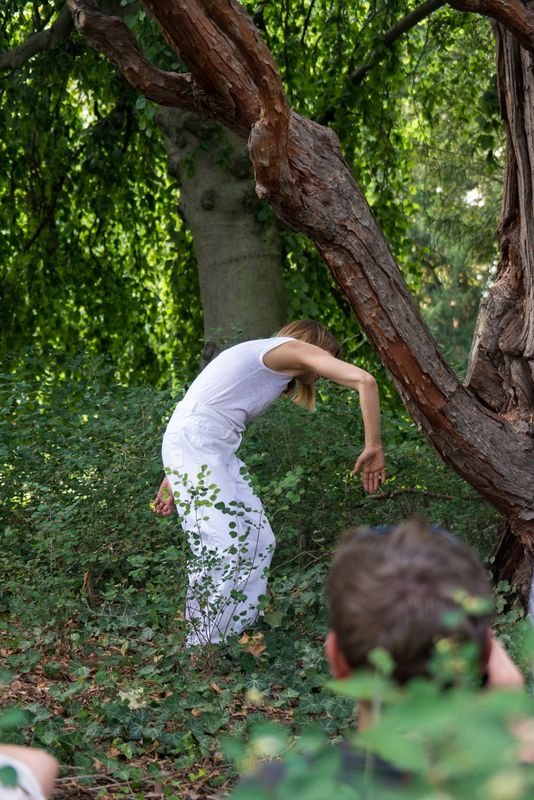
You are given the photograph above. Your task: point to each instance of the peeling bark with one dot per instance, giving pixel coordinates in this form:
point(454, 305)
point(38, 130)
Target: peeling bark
point(512, 563)
point(501, 369)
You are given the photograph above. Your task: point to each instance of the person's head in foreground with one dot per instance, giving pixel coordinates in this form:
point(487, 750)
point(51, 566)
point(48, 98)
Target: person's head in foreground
point(404, 589)
point(401, 589)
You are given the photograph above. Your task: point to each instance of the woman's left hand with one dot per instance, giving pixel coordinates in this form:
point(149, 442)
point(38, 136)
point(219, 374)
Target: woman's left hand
point(371, 463)
point(163, 504)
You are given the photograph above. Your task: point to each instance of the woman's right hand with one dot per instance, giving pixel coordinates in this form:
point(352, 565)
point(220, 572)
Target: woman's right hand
point(371, 463)
point(164, 504)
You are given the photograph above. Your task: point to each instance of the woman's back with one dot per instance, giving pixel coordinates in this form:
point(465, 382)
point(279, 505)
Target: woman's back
point(237, 384)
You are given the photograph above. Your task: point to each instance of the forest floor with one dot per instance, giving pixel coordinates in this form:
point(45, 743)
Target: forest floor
point(92, 657)
point(131, 714)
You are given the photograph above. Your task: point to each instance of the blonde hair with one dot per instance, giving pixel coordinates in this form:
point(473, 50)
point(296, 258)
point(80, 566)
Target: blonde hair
point(307, 330)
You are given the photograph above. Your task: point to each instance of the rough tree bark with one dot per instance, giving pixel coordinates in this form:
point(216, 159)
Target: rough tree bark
point(239, 257)
point(300, 171)
point(501, 368)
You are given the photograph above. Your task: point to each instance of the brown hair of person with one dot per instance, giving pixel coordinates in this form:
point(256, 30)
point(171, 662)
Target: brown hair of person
point(396, 590)
point(307, 330)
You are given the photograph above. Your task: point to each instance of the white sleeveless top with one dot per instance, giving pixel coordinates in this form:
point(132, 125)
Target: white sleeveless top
point(236, 384)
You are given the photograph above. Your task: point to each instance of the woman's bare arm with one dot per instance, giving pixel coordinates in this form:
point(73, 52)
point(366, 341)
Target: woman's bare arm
point(302, 360)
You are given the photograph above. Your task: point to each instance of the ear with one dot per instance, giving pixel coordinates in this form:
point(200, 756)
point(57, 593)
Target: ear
point(486, 651)
point(502, 672)
point(339, 666)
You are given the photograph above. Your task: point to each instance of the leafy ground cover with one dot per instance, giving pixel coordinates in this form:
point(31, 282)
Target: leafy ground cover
point(108, 695)
point(91, 650)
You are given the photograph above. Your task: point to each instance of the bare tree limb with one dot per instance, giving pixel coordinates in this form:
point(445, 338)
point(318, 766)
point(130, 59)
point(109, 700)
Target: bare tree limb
point(197, 34)
point(111, 36)
point(399, 29)
point(46, 39)
point(514, 15)
point(422, 493)
point(306, 23)
point(227, 55)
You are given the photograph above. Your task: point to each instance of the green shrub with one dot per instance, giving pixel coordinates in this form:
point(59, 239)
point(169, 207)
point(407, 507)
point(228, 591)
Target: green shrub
point(458, 743)
point(80, 462)
point(93, 584)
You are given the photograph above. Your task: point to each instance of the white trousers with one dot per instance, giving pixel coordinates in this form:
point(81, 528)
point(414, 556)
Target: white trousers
point(229, 535)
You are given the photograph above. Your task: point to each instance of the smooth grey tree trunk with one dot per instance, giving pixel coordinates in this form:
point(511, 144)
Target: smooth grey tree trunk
point(236, 237)
point(239, 255)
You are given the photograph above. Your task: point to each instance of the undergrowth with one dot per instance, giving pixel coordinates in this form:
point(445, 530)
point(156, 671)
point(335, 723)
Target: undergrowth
point(93, 584)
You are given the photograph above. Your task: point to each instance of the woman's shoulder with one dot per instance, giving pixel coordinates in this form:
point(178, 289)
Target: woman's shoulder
point(259, 346)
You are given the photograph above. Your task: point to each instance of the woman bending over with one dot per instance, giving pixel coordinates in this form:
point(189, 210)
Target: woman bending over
point(229, 535)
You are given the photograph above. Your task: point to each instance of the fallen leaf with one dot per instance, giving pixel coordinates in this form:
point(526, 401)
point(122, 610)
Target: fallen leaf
point(253, 644)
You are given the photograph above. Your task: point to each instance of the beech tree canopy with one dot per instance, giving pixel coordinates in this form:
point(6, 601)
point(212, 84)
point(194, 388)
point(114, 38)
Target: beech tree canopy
point(381, 76)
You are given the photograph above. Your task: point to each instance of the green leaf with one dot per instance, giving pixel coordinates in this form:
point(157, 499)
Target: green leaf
point(13, 718)
point(8, 777)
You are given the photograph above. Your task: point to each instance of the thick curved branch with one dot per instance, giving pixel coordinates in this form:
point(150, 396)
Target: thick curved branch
point(322, 200)
point(399, 29)
point(514, 15)
point(46, 39)
point(269, 135)
point(225, 52)
point(112, 37)
point(193, 33)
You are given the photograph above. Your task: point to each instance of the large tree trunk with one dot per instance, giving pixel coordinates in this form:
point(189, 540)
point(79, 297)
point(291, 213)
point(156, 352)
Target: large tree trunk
point(301, 172)
point(239, 256)
point(501, 369)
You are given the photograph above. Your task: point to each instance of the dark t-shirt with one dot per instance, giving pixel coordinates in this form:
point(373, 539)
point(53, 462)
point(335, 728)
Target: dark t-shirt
point(339, 764)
